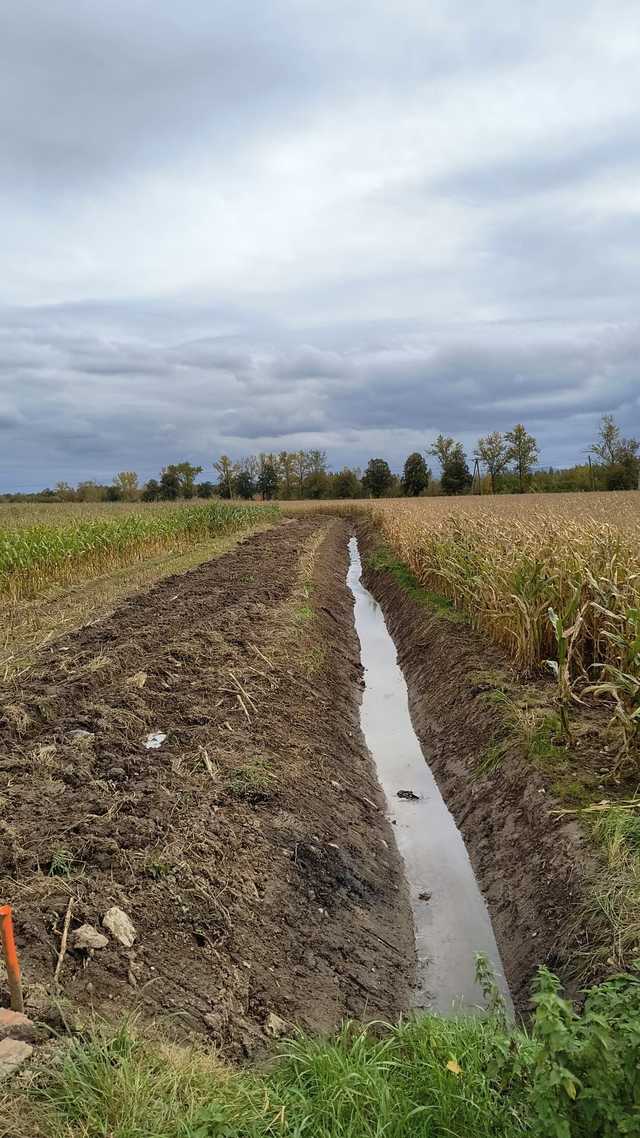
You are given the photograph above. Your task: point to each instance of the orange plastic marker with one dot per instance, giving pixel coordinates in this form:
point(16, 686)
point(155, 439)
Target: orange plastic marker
point(11, 958)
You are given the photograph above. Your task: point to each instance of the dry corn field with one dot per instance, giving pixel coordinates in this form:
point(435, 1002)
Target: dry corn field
point(553, 578)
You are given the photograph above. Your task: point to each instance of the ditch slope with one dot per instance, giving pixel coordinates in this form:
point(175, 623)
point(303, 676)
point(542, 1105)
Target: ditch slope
point(250, 850)
point(531, 865)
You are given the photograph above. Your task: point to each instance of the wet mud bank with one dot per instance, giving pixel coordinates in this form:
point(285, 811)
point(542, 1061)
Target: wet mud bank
point(251, 849)
point(531, 867)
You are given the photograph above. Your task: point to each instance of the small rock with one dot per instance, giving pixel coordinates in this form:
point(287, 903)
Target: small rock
point(408, 795)
point(17, 1026)
point(13, 1054)
point(154, 740)
point(116, 774)
point(88, 938)
point(424, 896)
point(138, 680)
point(275, 1026)
point(82, 738)
point(120, 926)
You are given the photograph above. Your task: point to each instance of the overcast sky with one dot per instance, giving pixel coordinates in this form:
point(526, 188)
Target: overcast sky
point(258, 225)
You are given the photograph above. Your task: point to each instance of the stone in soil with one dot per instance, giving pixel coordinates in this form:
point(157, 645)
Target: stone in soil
point(13, 1053)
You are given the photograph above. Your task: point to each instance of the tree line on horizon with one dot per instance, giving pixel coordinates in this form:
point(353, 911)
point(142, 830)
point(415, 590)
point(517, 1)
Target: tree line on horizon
point(506, 462)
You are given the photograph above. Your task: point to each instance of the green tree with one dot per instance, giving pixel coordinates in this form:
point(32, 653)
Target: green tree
point(286, 472)
point(152, 491)
point(523, 453)
point(346, 484)
point(205, 489)
point(187, 473)
point(618, 456)
point(416, 475)
point(225, 469)
point(64, 492)
point(267, 478)
point(300, 469)
point(127, 483)
point(456, 477)
point(607, 446)
point(493, 452)
point(169, 483)
point(317, 484)
point(317, 461)
point(443, 448)
point(245, 485)
point(377, 477)
point(90, 492)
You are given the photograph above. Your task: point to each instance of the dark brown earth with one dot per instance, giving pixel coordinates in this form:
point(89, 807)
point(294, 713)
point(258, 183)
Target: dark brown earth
point(532, 867)
point(250, 850)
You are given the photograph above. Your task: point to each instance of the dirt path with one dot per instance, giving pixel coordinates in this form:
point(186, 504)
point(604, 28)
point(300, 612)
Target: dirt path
point(249, 850)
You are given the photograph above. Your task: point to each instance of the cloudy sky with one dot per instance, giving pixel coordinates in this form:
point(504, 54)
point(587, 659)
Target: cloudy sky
point(264, 225)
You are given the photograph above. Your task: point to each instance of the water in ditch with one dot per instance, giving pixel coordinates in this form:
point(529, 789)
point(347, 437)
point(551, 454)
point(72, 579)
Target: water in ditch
point(451, 920)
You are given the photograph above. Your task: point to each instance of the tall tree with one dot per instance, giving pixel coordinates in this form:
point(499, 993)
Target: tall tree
point(245, 485)
point(286, 472)
point(619, 457)
point(152, 491)
point(127, 483)
point(267, 478)
point(493, 452)
point(377, 477)
point(317, 461)
point(301, 469)
point(187, 473)
point(346, 484)
point(169, 483)
point(443, 448)
point(64, 492)
point(225, 469)
point(523, 453)
point(607, 446)
point(456, 476)
point(416, 475)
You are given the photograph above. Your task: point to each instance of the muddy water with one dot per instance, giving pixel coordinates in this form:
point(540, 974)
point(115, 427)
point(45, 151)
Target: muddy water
point(451, 922)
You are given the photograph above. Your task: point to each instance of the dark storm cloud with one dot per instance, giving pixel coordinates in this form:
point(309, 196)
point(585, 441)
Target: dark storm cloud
point(254, 226)
point(461, 382)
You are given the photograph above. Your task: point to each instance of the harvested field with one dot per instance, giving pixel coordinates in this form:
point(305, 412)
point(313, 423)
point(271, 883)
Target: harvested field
point(249, 850)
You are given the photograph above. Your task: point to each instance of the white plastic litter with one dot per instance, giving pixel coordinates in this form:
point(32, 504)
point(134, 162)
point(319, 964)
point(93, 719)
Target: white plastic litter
point(154, 740)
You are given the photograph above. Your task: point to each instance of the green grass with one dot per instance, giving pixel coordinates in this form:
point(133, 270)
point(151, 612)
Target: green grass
point(572, 1076)
point(253, 782)
point(383, 560)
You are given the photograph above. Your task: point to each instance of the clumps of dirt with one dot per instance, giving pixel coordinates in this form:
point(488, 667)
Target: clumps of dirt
point(250, 848)
point(531, 865)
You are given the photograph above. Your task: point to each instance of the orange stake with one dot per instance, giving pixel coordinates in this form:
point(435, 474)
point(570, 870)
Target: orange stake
point(11, 958)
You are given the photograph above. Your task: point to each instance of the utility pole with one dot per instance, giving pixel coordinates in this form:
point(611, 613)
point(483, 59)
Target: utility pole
point(476, 474)
point(591, 474)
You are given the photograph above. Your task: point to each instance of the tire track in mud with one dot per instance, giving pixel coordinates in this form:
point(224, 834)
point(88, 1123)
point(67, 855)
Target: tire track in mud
point(259, 878)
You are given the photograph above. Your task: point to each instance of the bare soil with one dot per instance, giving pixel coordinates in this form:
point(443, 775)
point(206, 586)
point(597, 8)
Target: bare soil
point(250, 850)
point(532, 867)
